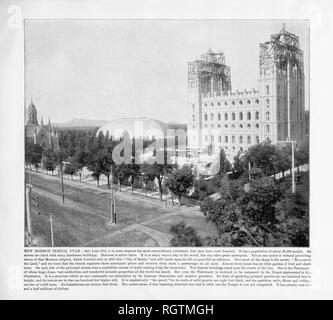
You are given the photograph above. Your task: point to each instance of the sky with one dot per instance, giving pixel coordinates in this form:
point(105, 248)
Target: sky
point(109, 69)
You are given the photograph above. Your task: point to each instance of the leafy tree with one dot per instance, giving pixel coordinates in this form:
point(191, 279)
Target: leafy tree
point(80, 160)
point(49, 160)
point(96, 164)
point(70, 169)
point(184, 236)
point(180, 181)
point(33, 154)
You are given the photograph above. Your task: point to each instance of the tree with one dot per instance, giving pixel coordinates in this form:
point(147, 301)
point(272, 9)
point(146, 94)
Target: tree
point(50, 160)
point(95, 164)
point(184, 236)
point(156, 171)
point(302, 155)
point(33, 154)
point(71, 169)
point(80, 160)
point(180, 181)
point(245, 218)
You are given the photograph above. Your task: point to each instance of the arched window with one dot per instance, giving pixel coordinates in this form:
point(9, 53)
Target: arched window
point(248, 101)
point(241, 126)
point(267, 102)
point(233, 126)
point(219, 126)
point(248, 139)
point(267, 115)
point(226, 126)
point(212, 117)
point(248, 126)
point(267, 128)
point(193, 118)
point(257, 139)
point(257, 101)
point(249, 116)
point(240, 139)
point(226, 117)
point(233, 103)
point(219, 116)
point(257, 115)
point(240, 102)
point(257, 126)
point(241, 116)
point(225, 103)
point(233, 116)
point(226, 139)
point(233, 139)
point(193, 107)
point(206, 117)
point(267, 89)
point(219, 104)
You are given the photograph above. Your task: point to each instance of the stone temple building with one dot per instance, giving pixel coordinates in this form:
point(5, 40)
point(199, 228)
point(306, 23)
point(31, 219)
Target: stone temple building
point(235, 120)
point(44, 135)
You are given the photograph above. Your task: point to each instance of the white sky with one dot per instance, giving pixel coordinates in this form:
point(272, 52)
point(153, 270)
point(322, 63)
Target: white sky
point(108, 69)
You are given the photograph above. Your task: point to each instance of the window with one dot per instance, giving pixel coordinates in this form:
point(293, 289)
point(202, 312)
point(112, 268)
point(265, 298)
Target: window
point(219, 104)
point(233, 139)
point(248, 139)
point(233, 126)
point(248, 102)
point(240, 102)
point(233, 116)
point(267, 89)
point(205, 104)
point(257, 115)
point(278, 89)
point(212, 117)
point(226, 139)
point(267, 128)
point(193, 107)
point(212, 104)
point(248, 126)
point(193, 118)
point(257, 126)
point(267, 102)
point(219, 126)
point(226, 126)
point(241, 126)
point(206, 126)
point(240, 139)
point(212, 126)
point(241, 116)
point(226, 117)
point(257, 139)
point(233, 103)
point(267, 116)
point(257, 101)
point(226, 103)
point(249, 116)
point(206, 117)
point(220, 139)
point(219, 116)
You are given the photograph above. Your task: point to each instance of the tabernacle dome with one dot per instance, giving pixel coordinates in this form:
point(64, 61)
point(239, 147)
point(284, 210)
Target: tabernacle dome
point(135, 127)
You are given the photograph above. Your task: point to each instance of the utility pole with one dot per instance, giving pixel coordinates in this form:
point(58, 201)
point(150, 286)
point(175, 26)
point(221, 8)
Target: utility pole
point(288, 98)
point(113, 203)
point(62, 182)
point(52, 240)
point(293, 166)
point(249, 171)
point(28, 213)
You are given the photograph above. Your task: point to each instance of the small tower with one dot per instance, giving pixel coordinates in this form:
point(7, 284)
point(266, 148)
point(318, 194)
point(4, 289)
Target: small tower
point(32, 114)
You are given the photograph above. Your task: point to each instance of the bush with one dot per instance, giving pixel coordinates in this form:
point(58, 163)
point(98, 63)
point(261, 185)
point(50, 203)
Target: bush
point(184, 236)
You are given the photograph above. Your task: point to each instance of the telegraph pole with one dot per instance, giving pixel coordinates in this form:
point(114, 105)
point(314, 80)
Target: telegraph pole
point(62, 182)
point(293, 166)
point(52, 240)
point(113, 203)
point(27, 199)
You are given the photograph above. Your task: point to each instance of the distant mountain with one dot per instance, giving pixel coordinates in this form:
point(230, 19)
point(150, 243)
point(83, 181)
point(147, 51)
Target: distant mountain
point(75, 123)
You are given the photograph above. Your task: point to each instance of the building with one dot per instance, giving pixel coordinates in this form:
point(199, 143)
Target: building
point(44, 135)
point(235, 120)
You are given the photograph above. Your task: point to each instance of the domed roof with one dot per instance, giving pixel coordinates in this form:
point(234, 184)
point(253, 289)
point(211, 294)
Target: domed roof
point(135, 127)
